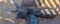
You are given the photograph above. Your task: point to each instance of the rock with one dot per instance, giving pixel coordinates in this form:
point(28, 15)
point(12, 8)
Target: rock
point(22, 12)
point(35, 11)
point(33, 19)
point(44, 12)
point(28, 2)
